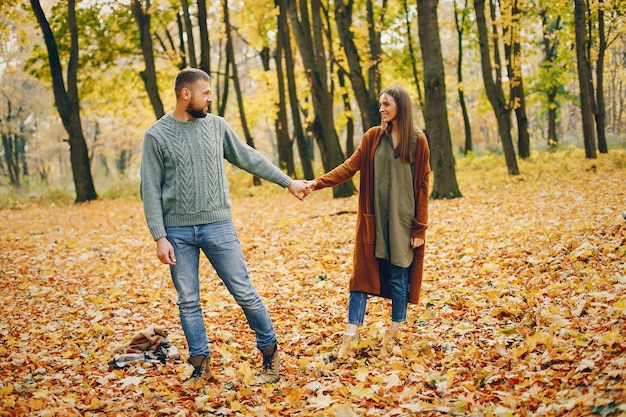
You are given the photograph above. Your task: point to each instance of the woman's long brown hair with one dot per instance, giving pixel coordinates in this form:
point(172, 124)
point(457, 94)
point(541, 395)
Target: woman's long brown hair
point(404, 121)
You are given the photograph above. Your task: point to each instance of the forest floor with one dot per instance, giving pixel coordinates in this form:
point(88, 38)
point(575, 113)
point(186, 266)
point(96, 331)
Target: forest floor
point(522, 312)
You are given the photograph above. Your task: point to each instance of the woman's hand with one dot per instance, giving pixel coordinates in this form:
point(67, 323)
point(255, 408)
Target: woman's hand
point(416, 242)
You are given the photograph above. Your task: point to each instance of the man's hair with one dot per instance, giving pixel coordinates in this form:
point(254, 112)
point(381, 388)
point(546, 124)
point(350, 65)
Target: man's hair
point(187, 77)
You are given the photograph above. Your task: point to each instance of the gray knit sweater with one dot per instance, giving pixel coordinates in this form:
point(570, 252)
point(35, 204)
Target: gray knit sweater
point(183, 181)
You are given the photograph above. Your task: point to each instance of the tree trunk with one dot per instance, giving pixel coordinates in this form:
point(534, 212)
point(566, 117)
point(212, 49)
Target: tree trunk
point(305, 145)
point(191, 48)
point(222, 99)
point(601, 111)
point(584, 80)
point(549, 48)
point(285, 145)
point(512, 49)
point(231, 54)
point(460, 28)
point(9, 145)
point(367, 98)
point(9, 159)
point(67, 102)
point(205, 45)
point(409, 40)
point(181, 42)
point(376, 52)
point(310, 38)
point(494, 91)
point(142, 16)
point(347, 107)
point(435, 111)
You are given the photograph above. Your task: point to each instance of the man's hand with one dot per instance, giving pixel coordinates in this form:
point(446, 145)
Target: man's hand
point(299, 189)
point(165, 251)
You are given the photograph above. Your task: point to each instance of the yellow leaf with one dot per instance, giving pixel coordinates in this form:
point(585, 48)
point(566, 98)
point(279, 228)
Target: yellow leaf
point(360, 390)
point(620, 305)
point(6, 390)
point(612, 337)
point(295, 396)
point(36, 404)
point(235, 405)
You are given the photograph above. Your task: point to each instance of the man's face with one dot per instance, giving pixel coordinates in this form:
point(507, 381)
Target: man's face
point(198, 106)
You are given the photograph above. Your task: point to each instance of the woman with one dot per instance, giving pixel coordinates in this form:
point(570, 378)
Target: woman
point(393, 213)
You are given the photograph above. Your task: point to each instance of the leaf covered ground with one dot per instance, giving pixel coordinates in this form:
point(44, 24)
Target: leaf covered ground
point(522, 312)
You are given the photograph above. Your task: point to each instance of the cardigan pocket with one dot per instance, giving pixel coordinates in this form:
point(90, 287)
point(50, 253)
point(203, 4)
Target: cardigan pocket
point(368, 229)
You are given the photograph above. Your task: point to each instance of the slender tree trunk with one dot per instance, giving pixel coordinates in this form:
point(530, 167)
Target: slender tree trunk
point(310, 39)
point(584, 80)
point(205, 45)
point(341, 75)
point(67, 102)
point(149, 77)
point(376, 52)
point(601, 112)
point(305, 145)
point(435, 109)
point(549, 48)
point(225, 86)
point(512, 49)
point(494, 90)
point(191, 48)
point(367, 98)
point(231, 54)
point(285, 145)
point(12, 167)
point(409, 38)
point(460, 28)
point(181, 42)
point(9, 146)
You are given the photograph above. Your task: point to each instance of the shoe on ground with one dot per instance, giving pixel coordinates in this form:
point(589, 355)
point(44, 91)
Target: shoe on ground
point(271, 365)
point(345, 347)
point(389, 343)
point(201, 371)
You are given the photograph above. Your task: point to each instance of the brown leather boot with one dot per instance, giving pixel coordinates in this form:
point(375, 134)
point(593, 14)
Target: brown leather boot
point(201, 371)
point(271, 364)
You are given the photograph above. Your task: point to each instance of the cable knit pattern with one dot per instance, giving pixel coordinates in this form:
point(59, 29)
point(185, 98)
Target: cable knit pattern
point(183, 182)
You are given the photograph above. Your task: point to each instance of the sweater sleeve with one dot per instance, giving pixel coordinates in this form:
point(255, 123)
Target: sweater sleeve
point(152, 172)
point(249, 159)
point(343, 172)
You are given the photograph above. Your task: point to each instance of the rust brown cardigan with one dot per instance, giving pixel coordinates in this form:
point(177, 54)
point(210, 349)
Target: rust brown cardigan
point(369, 274)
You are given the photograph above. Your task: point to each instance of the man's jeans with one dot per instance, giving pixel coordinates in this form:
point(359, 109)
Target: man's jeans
point(399, 285)
point(221, 246)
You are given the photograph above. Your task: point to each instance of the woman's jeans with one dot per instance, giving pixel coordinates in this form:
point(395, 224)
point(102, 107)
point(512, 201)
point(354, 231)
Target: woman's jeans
point(399, 285)
point(221, 246)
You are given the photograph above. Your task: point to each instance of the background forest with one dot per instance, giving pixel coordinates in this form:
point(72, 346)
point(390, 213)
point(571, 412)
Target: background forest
point(299, 80)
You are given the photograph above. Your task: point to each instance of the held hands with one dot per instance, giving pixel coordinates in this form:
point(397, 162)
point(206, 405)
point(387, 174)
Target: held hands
point(301, 189)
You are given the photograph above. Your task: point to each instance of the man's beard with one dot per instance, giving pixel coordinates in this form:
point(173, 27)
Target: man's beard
point(196, 113)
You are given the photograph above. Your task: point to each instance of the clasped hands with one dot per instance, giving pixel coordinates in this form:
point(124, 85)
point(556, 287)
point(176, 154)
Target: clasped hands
point(302, 188)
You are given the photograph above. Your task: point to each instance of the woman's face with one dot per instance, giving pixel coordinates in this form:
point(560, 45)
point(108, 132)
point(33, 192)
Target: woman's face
point(387, 108)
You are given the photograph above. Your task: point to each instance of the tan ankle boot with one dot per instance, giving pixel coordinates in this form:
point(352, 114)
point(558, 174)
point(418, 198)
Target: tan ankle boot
point(345, 345)
point(389, 339)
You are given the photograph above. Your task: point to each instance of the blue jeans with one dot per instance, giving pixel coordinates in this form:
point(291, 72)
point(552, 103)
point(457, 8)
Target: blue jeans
point(221, 246)
point(399, 285)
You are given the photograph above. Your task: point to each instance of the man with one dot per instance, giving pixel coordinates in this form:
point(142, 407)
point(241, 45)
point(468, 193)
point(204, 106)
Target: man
point(186, 202)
